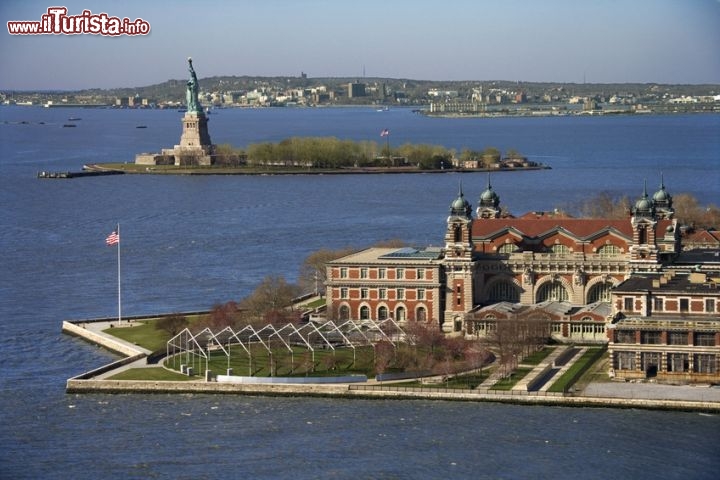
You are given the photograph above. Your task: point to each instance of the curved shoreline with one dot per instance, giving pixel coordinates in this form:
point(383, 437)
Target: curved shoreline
point(89, 382)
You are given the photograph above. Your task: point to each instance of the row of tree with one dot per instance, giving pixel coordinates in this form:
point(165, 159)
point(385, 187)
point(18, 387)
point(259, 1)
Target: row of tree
point(331, 152)
point(688, 209)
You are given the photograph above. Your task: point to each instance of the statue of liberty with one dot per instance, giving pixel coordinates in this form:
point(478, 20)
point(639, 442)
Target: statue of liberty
point(191, 94)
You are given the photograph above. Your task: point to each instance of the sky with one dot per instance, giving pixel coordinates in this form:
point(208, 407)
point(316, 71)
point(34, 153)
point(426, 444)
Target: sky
point(569, 41)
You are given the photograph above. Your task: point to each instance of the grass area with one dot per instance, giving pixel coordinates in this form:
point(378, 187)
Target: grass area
point(282, 363)
point(509, 382)
point(144, 334)
point(460, 382)
point(571, 375)
point(155, 373)
point(315, 304)
point(537, 357)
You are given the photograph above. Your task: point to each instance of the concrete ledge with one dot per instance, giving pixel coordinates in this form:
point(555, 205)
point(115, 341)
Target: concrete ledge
point(116, 345)
point(291, 380)
point(358, 391)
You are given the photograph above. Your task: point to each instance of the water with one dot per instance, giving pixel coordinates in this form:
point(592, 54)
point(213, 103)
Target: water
point(189, 242)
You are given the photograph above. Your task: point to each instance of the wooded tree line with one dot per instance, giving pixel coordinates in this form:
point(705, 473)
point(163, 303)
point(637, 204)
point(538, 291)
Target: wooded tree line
point(331, 152)
point(688, 209)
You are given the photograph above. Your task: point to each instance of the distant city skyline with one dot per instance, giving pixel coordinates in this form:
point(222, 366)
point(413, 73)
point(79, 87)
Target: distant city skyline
point(611, 41)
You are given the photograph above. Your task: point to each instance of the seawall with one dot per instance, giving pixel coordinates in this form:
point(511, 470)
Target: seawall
point(76, 385)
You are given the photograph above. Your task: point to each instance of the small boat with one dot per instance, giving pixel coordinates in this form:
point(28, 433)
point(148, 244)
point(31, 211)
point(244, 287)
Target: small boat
point(141, 126)
point(74, 119)
point(69, 125)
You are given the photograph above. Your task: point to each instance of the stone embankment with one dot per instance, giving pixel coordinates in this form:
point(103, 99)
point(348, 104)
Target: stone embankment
point(703, 399)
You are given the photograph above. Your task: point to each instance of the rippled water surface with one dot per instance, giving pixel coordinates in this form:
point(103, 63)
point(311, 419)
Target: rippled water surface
point(189, 242)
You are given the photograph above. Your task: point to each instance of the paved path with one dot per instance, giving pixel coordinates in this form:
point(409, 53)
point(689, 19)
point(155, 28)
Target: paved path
point(651, 391)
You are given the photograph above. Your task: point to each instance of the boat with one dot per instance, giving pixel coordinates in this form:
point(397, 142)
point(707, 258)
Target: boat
point(74, 119)
point(141, 126)
point(69, 125)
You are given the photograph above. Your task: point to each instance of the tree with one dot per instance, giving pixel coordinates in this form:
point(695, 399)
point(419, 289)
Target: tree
point(273, 294)
point(689, 212)
point(604, 205)
point(384, 352)
point(172, 323)
point(313, 271)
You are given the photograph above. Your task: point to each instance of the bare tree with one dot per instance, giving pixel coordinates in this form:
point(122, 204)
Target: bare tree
point(313, 272)
point(172, 323)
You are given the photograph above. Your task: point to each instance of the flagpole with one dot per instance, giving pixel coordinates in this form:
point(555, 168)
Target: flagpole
point(119, 291)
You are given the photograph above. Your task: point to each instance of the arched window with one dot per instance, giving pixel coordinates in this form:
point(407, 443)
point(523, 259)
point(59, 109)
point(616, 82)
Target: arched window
point(364, 312)
point(344, 312)
point(421, 314)
point(554, 291)
point(503, 291)
point(507, 248)
point(382, 312)
point(600, 292)
point(608, 251)
point(400, 314)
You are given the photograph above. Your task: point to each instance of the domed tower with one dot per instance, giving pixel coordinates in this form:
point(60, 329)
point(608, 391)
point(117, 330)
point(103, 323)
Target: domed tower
point(663, 202)
point(489, 203)
point(458, 264)
point(458, 241)
point(644, 247)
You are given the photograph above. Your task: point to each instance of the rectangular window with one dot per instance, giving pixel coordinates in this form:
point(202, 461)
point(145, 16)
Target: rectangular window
point(382, 273)
point(658, 304)
point(677, 338)
point(709, 305)
point(684, 305)
point(364, 293)
point(557, 327)
point(343, 272)
point(421, 273)
point(363, 273)
point(703, 339)
point(678, 362)
point(400, 273)
point(382, 293)
point(705, 363)
point(624, 336)
point(401, 294)
point(650, 338)
point(421, 294)
point(629, 304)
point(625, 360)
point(343, 292)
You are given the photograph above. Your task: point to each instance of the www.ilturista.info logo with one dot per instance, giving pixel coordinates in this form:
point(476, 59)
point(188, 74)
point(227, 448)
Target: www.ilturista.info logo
point(57, 22)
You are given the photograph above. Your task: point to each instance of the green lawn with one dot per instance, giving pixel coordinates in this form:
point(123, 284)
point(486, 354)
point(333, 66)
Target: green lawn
point(509, 382)
point(537, 357)
point(565, 381)
point(282, 363)
point(144, 334)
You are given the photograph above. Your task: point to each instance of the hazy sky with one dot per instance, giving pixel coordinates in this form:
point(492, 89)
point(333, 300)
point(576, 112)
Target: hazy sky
point(664, 41)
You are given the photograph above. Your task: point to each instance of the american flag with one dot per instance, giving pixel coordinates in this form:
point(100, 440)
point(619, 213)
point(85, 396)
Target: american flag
point(385, 132)
point(113, 238)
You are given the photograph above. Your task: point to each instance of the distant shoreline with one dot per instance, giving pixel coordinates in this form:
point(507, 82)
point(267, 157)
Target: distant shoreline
point(131, 168)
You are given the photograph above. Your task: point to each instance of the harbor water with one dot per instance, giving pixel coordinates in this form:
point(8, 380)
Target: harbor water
point(189, 242)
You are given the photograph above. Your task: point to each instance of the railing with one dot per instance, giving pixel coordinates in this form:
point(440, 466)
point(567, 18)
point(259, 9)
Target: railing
point(455, 391)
